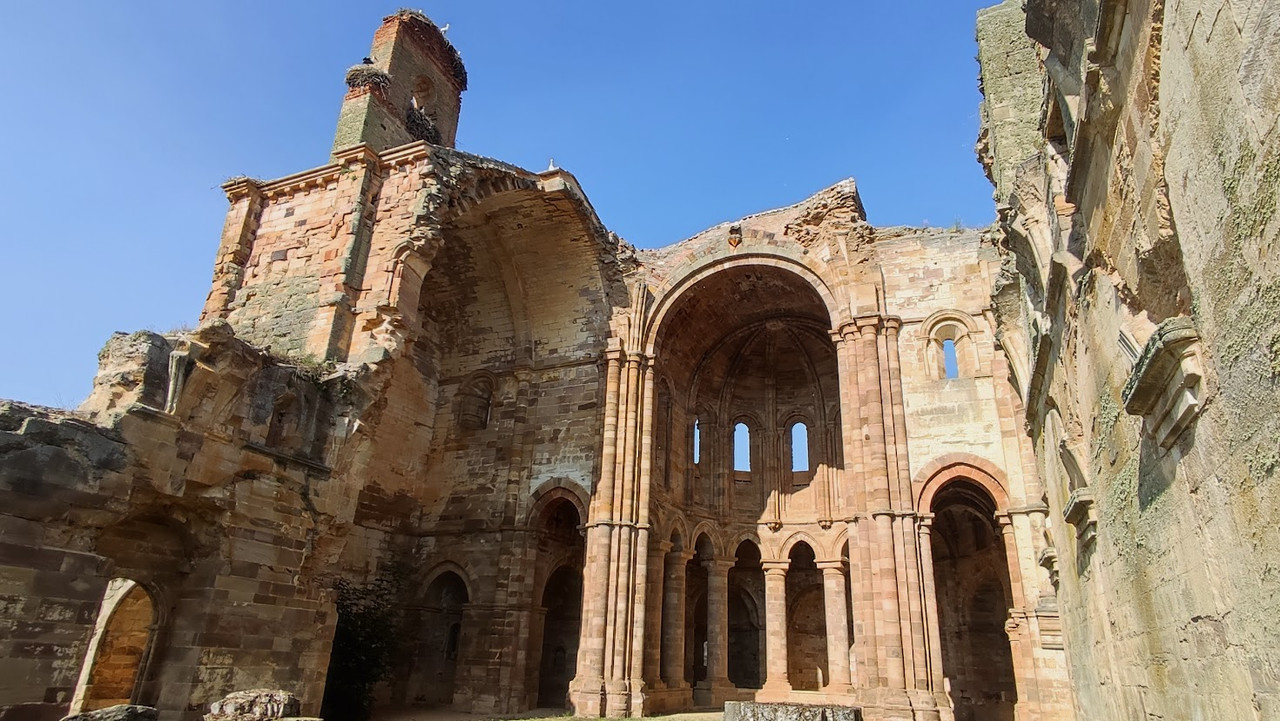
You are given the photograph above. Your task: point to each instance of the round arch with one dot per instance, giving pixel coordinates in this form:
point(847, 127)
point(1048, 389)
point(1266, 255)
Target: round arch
point(947, 468)
point(705, 528)
point(686, 278)
point(820, 550)
point(556, 489)
point(440, 569)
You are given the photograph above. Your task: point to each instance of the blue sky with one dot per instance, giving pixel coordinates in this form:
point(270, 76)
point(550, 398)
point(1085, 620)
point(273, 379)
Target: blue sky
point(121, 119)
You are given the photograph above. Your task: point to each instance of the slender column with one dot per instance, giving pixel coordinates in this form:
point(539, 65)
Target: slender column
point(879, 499)
point(588, 682)
point(639, 639)
point(718, 624)
point(617, 685)
point(837, 627)
point(854, 501)
point(933, 635)
point(775, 624)
point(673, 619)
point(1021, 646)
point(653, 641)
point(1014, 589)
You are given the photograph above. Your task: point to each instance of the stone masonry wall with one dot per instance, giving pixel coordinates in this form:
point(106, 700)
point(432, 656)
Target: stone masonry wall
point(1164, 209)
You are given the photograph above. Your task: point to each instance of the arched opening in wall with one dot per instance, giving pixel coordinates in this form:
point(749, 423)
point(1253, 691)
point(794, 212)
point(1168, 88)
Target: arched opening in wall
point(475, 402)
point(949, 346)
point(119, 648)
point(443, 640)
point(806, 622)
point(151, 557)
point(696, 620)
point(560, 547)
point(662, 435)
point(562, 602)
point(973, 591)
point(950, 364)
point(697, 441)
point(747, 350)
point(798, 447)
point(746, 599)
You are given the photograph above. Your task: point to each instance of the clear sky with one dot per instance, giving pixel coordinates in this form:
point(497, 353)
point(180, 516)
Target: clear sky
point(121, 119)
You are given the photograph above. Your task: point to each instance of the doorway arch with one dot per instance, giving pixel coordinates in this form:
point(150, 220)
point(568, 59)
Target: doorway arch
point(119, 649)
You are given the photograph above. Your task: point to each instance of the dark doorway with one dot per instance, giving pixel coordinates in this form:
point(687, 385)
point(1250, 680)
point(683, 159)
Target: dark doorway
point(746, 590)
point(972, 582)
point(806, 622)
point(562, 600)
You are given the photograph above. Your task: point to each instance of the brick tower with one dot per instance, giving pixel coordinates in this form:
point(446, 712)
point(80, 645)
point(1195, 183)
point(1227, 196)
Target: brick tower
point(409, 88)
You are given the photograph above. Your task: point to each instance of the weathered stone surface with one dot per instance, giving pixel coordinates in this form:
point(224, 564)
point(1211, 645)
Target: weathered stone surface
point(254, 705)
point(753, 711)
point(122, 712)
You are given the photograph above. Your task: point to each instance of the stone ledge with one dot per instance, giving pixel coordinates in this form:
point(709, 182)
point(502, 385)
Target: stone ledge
point(1166, 387)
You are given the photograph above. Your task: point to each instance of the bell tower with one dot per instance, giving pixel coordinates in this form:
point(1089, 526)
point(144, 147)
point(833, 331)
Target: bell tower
point(409, 88)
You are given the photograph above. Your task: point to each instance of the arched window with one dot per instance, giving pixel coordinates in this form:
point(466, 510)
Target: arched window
point(950, 345)
point(697, 442)
point(799, 446)
point(950, 366)
point(741, 448)
point(474, 403)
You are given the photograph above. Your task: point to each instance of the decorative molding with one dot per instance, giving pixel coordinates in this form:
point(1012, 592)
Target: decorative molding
point(1167, 385)
point(1080, 512)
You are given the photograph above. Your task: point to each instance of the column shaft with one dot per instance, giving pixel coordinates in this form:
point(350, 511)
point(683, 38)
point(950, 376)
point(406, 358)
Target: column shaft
point(775, 623)
point(718, 623)
point(933, 631)
point(834, 601)
point(673, 620)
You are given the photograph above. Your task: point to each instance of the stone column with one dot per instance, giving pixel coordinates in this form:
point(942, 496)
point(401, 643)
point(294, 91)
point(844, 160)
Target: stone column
point(618, 633)
point(853, 502)
point(933, 632)
point(673, 620)
point(587, 689)
point(775, 624)
point(640, 642)
point(834, 602)
point(879, 500)
point(718, 626)
point(653, 642)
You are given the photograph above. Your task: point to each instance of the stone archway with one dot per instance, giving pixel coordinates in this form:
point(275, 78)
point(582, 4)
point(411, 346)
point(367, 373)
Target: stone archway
point(562, 601)
point(442, 619)
point(558, 618)
point(746, 635)
point(119, 648)
point(806, 622)
point(973, 598)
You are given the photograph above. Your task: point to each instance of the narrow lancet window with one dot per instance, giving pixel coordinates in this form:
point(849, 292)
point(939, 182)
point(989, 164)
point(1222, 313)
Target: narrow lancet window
point(697, 442)
point(799, 447)
point(741, 447)
point(950, 365)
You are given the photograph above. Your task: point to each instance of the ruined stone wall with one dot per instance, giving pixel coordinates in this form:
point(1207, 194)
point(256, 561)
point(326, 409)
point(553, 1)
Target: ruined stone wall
point(1011, 80)
point(1162, 203)
point(188, 498)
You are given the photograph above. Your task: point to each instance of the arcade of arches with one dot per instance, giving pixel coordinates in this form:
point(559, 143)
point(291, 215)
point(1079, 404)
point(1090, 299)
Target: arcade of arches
point(791, 554)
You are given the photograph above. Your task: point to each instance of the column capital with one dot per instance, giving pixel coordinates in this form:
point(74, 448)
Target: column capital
point(892, 324)
point(869, 322)
point(924, 522)
point(776, 566)
point(830, 566)
point(718, 563)
point(1005, 520)
point(683, 555)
